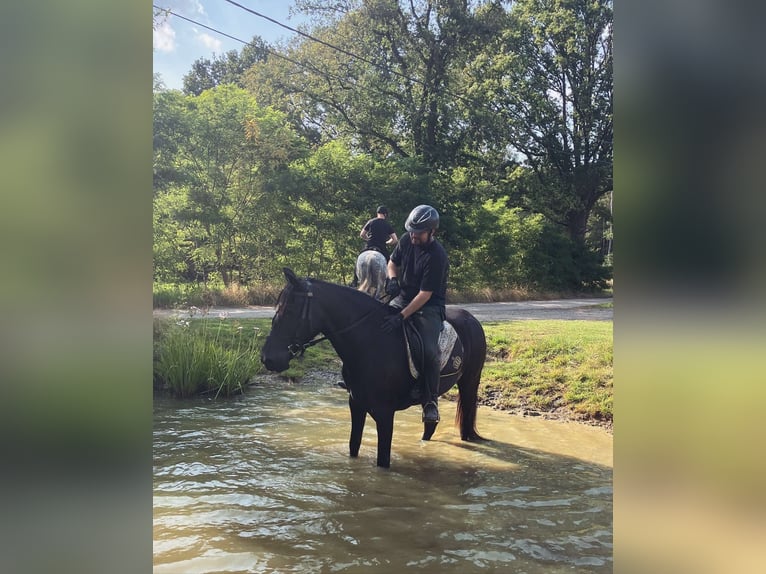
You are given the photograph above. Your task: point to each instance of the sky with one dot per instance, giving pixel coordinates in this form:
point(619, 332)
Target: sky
point(178, 43)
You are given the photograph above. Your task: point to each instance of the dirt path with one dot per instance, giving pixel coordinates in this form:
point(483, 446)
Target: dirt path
point(557, 309)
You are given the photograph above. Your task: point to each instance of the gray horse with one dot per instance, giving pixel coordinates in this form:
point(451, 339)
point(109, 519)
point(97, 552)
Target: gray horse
point(371, 270)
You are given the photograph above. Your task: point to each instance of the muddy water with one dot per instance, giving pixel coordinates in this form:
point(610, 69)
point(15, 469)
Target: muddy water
point(264, 483)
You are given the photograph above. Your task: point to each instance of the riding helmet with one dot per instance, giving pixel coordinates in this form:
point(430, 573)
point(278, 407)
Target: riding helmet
point(382, 209)
point(422, 218)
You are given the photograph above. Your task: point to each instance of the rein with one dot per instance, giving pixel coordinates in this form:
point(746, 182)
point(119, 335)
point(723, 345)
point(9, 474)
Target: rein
point(297, 349)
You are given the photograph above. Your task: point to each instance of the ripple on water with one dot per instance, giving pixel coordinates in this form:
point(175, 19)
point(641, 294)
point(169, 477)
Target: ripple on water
point(242, 487)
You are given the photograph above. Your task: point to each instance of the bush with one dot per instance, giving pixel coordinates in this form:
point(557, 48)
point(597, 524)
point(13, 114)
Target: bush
point(205, 356)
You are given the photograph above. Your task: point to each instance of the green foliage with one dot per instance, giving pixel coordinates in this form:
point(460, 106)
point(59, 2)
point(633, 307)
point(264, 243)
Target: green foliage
point(549, 366)
point(520, 249)
point(548, 76)
point(228, 68)
point(217, 156)
point(193, 357)
point(498, 115)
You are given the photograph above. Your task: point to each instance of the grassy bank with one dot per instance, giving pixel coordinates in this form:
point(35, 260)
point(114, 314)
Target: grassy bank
point(560, 369)
point(210, 355)
point(556, 369)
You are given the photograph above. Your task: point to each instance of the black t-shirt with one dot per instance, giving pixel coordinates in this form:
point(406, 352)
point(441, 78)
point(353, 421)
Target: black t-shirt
point(380, 231)
point(422, 268)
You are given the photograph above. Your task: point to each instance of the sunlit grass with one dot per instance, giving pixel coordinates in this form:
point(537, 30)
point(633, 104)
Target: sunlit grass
point(212, 355)
point(532, 366)
point(544, 366)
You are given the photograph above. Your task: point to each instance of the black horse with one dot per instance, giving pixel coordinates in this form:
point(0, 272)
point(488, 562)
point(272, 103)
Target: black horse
point(375, 364)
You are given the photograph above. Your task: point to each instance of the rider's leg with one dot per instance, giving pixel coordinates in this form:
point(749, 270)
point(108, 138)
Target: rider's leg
point(428, 322)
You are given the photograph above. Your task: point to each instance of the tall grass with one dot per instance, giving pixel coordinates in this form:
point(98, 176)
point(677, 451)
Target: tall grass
point(533, 367)
point(206, 356)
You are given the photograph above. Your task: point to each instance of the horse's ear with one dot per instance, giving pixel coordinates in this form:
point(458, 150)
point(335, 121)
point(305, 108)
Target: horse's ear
point(290, 276)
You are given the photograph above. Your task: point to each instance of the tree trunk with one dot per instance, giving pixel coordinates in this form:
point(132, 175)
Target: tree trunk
point(577, 222)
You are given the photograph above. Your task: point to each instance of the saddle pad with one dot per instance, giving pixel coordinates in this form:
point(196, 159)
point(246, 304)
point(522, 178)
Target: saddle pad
point(447, 338)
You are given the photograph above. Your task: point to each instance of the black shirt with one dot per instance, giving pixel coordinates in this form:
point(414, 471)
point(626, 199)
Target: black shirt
point(423, 268)
point(380, 231)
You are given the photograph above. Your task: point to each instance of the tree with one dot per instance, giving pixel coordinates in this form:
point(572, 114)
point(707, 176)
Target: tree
point(216, 156)
point(228, 68)
point(548, 79)
point(381, 75)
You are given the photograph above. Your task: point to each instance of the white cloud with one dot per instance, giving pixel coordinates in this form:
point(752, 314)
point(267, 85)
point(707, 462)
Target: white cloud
point(213, 44)
point(189, 8)
point(164, 38)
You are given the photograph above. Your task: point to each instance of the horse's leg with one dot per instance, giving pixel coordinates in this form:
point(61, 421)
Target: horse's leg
point(468, 398)
point(385, 424)
point(428, 430)
point(358, 417)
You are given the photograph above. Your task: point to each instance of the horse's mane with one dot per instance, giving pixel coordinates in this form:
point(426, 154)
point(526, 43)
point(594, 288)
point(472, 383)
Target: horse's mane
point(349, 294)
point(358, 297)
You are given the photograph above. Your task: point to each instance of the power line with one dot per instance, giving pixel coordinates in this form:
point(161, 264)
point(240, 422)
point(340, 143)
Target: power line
point(355, 56)
point(265, 49)
point(168, 11)
point(331, 46)
point(313, 68)
point(305, 66)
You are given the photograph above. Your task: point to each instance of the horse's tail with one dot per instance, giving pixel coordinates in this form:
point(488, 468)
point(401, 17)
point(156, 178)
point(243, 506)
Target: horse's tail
point(475, 352)
point(371, 270)
point(364, 285)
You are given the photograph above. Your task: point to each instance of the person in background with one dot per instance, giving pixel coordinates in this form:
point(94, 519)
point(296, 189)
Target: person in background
point(378, 234)
point(417, 281)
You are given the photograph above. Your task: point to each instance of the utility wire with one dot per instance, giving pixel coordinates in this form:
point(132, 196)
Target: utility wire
point(355, 56)
point(327, 44)
point(331, 46)
point(305, 66)
point(265, 49)
point(168, 11)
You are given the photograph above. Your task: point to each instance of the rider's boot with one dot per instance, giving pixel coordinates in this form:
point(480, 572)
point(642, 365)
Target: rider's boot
point(430, 405)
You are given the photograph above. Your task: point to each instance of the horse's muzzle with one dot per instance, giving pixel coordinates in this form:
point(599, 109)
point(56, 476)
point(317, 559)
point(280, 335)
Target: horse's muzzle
point(274, 361)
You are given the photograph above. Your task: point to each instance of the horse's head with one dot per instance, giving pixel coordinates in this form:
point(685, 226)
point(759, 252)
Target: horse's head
point(291, 326)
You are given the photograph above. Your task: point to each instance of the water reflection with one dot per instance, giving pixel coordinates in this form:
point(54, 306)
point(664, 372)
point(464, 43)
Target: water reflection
point(264, 484)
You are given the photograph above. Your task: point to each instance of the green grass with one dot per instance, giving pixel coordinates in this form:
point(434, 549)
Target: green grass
point(562, 367)
point(206, 356)
point(544, 366)
point(219, 356)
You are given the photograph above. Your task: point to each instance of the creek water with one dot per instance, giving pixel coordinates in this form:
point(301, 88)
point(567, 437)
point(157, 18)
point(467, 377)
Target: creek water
point(264, 483)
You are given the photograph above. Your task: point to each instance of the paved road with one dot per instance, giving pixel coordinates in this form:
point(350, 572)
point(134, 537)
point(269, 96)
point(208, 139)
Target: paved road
point(561, 309)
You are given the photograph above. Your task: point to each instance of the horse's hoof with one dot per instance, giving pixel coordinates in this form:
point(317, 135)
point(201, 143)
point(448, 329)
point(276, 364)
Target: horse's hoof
point(428, 430)
point(431, 413)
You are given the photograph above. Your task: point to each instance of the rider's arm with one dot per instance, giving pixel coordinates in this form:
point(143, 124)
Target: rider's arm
point(364, 234)
point(420, 299)
point(392, 269)
point(392, 239)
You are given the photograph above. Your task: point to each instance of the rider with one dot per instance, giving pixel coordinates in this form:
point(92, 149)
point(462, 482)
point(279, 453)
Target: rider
point(378, 233)
point(417, 272)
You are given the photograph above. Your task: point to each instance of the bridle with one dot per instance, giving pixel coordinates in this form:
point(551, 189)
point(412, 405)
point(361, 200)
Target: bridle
point(296, 348)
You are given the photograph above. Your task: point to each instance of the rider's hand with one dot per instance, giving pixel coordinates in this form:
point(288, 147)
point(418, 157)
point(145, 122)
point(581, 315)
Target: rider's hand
point(392, 322)
point(392, 286)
